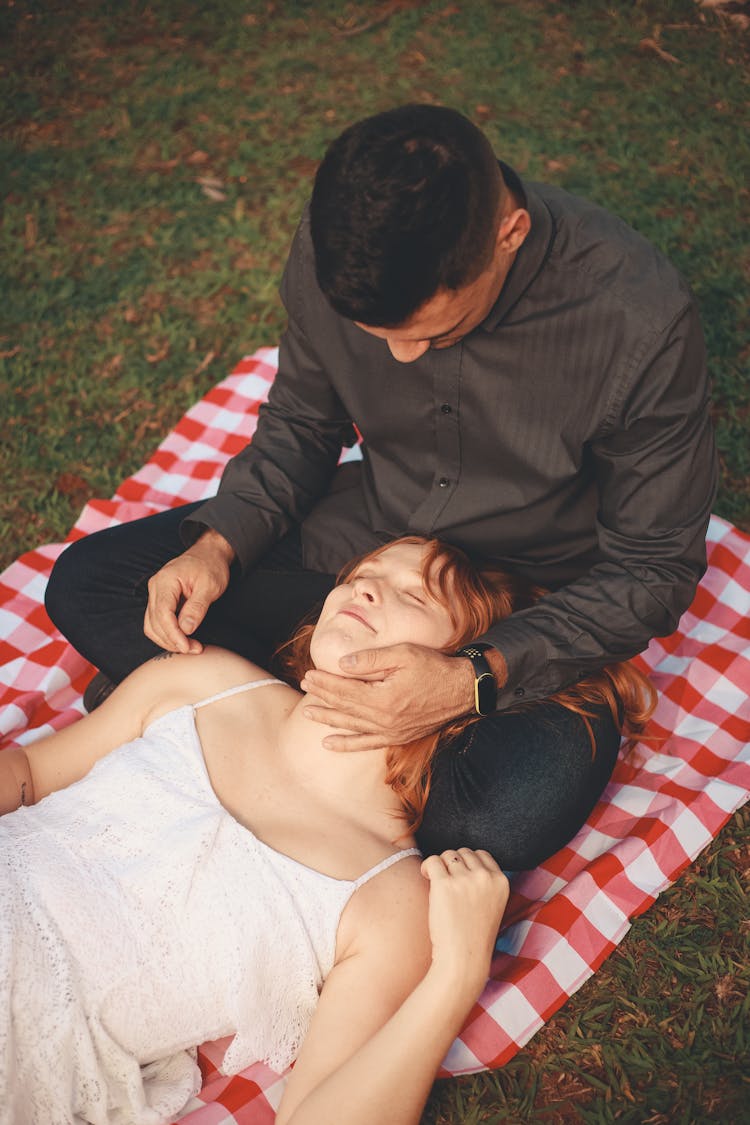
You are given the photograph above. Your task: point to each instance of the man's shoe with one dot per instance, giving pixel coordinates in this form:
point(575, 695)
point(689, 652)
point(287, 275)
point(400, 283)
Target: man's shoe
point(98, 690)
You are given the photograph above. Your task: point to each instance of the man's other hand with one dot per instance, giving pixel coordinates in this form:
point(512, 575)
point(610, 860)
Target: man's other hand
point(180, 594)
point(400, 693)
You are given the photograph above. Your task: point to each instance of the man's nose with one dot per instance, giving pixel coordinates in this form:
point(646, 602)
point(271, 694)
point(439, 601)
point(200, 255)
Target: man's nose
point(406, 351)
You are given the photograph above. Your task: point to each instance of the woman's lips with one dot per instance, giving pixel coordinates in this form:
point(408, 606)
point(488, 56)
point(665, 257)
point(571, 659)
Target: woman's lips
point(355, 613)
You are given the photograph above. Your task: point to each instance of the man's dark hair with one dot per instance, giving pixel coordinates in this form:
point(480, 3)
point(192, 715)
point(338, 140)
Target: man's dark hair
point(405, 203)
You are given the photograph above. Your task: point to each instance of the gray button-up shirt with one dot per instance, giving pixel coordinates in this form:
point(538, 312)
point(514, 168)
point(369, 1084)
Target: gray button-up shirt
point(567, 438)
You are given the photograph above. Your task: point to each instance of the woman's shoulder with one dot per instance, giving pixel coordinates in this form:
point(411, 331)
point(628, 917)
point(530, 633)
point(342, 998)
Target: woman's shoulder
point(390, 907)
point(173, 680)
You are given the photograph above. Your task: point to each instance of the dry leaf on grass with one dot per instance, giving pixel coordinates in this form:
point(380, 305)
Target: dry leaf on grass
point(211, 188)
point(30, 232)
point(214, 194)
point(72, 486)
point(208, 358)
point(160, 354)
point(652, 47)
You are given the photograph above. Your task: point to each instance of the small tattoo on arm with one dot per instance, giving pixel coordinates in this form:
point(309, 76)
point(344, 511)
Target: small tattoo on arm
point(162, 655)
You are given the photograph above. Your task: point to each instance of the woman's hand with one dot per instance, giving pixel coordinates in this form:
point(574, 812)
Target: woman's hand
point(359, 1064)
point(468, 896)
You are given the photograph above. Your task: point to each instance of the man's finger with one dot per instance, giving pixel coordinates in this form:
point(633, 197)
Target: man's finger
point(164, 630)
point(161, 623)
point(353, 743)
point(191, 614)
point(337, 690)
point(328, 684)
point(343, 720)
point(369, 662)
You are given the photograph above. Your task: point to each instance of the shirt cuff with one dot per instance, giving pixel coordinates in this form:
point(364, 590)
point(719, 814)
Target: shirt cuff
point(249, 530)
point(526, 657)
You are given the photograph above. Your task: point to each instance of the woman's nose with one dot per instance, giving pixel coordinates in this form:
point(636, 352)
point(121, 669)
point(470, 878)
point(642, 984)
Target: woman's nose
point(366, 588)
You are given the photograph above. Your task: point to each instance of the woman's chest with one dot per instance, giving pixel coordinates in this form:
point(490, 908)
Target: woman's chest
point(285, 802)
point(247, 775)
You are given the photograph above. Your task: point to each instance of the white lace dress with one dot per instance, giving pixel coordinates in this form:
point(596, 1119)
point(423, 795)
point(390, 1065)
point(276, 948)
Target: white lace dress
point(138, 919)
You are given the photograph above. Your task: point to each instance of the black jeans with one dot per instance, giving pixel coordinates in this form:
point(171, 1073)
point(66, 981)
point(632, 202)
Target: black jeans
point(98, 593)
point(518, 784)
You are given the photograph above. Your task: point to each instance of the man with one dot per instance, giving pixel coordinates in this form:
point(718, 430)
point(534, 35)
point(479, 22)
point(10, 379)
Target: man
point(528, 377)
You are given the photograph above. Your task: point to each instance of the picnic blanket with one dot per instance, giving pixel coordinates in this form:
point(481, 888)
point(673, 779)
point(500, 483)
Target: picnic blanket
point(667, 799)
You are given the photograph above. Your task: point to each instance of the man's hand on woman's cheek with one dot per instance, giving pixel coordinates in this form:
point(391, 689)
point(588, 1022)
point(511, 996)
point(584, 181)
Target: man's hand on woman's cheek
point(389, 696)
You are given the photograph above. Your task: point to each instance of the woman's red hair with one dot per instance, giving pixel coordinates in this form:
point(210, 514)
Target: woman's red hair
point(476, 598)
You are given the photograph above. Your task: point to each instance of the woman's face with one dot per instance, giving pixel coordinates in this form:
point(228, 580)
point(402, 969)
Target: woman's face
point(384, 602)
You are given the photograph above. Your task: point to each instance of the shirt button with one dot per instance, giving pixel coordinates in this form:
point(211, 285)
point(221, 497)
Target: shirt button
point(443, 482)
point(445, 408)
point(519, 692)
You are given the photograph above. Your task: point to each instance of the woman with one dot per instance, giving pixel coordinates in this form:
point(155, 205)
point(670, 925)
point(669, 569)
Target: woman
point(201, 866)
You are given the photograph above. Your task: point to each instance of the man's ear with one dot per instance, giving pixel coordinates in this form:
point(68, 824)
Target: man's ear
point(513, 230)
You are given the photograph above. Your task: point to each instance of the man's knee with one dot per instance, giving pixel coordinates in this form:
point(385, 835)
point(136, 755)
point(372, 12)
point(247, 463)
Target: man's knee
point(112, 566)
point(66, 589)
point(496, 826)
point(519, 786)
point(470, 828)
point(96, 580)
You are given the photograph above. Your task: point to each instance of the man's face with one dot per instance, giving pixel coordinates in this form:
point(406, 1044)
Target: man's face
point(451, 314)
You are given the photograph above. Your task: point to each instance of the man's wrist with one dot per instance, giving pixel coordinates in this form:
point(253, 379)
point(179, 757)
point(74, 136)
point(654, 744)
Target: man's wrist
point(213, 542)
point(485, 676)
point(498, 664)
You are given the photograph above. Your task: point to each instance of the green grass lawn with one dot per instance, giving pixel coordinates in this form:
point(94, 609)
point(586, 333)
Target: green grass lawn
point(154, 158)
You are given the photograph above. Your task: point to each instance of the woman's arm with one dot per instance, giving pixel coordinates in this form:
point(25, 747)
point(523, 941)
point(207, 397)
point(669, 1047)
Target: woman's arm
point(381, 1032)
point(16, 783)
point(27, 774)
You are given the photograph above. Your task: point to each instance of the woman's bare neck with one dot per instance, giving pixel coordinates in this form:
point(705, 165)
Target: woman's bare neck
point(358, 777)
point(270, 770)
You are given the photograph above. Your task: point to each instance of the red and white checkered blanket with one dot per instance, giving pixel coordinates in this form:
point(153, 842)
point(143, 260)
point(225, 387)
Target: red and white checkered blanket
point(665, 802)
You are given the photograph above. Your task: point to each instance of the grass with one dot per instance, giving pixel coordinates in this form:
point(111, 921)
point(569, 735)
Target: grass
point(153, 160)
point(658, 1035)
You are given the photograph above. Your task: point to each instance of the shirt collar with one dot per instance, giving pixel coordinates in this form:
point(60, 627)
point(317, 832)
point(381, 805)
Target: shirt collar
point(532, 255)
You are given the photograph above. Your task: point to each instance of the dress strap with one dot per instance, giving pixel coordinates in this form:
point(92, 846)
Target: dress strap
point(235, 691)
point(383, 865)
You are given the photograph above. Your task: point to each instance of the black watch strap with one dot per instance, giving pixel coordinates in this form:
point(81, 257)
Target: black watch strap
point(485, 685)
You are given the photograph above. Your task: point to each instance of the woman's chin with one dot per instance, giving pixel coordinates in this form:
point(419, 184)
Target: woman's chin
point(331, 664)
point(326, 657)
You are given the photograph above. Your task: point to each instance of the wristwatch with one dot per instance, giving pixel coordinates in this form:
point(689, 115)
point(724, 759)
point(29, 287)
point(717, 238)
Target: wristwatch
point(485, 686)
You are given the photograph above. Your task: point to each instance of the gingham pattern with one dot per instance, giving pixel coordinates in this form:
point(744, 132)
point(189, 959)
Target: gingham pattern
point(666, 801)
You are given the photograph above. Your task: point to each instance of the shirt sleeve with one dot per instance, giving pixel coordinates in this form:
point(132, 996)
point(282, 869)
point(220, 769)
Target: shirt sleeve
point(274, 481)
point(656, 470)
